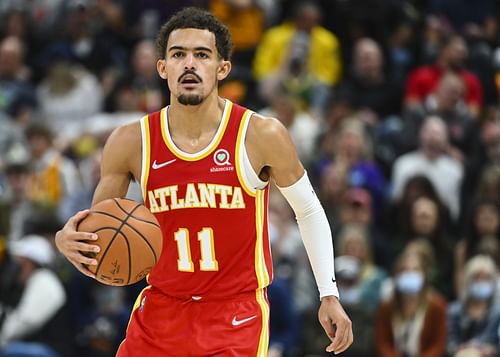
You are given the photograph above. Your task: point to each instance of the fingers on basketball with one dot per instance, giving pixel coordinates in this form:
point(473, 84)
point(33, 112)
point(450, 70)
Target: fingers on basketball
point(129, 238)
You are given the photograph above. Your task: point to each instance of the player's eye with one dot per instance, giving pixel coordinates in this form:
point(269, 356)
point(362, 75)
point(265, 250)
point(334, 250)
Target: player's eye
point(201, 55)
point(178, 54)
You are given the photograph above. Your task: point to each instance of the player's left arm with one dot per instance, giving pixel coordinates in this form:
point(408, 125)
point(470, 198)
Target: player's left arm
point(273, 155)
point(121, 159)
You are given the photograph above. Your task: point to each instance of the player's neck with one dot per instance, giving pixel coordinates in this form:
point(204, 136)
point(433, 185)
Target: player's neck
point(194, 120)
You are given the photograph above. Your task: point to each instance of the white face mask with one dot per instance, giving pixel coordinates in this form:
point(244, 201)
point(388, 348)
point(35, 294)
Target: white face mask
point(481, 290)
point(409, 282)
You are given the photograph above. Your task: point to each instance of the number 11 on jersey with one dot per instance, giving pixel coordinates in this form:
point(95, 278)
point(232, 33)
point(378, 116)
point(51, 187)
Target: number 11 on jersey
point(206, 239)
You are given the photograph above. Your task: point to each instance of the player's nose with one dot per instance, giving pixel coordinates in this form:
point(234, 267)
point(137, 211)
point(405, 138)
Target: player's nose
point(189, 61)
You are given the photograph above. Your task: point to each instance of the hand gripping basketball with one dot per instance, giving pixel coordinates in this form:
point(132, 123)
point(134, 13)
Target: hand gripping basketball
point(129, 238)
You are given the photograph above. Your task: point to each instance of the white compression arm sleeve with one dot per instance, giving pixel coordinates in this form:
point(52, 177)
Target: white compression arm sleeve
point(315, 232)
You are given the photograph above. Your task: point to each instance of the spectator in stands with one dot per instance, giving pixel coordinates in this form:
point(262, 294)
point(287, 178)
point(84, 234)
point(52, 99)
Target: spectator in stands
point(37, 325)
point(145, 17)
point(68, 91)
point(15, 22)
point(474, 319)
point(412, 322)
point(53, 178)
point(140, 89)
point(356, 208)
point(13, 148)
point(475, 19)
point(294, 281)
point(300, 56)
point(101, 314)
point(339, 109)
point(245, 21)
point(90, 35)
point(284, 234)
point(482, 237)
point(427, 222)
point(431, 160)
point(397, 220)
point(374, 94)
point(349, 280)
point(432, 33)
point(481, 167)
point(17, 94)
point(353, 241)
point(478, 23)
point(422, 216)
point(377, 19)
point(15, 200)
point(44, 16)
point(401, 50)
point(302, 126)
point(284, 322)
point(332, 187)
point(353, 149)
point(489, 183)
point(12, 58)
point(18, 23)
point(489, 150)
point(491, 139)
point(447, 102)
point(452, 56)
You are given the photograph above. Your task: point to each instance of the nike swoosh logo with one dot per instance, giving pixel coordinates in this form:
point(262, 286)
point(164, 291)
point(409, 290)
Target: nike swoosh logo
point(156, 166)
point(236, 322)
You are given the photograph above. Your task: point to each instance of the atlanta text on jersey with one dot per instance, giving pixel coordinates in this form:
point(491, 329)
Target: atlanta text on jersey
point(200, 195)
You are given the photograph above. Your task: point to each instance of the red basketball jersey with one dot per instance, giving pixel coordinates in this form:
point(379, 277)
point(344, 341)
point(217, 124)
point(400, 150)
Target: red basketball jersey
point(215, 237)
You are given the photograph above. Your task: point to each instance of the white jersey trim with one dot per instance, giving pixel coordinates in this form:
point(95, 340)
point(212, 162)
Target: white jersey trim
point(197, 155)
point(249, 176)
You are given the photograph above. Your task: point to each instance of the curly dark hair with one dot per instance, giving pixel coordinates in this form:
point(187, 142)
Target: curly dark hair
point(196, 18)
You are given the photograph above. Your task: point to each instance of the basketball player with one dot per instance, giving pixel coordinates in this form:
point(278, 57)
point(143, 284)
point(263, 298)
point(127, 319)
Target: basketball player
point(205, 165)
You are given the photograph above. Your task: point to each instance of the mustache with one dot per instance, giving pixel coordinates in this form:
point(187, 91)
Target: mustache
point(189, 73)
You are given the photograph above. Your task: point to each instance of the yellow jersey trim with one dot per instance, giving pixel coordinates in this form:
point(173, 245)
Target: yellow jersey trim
point(264, 334)
point(260, 261)
point(146, 155)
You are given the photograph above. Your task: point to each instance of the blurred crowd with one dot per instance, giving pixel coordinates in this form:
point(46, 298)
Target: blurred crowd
point(393, 106)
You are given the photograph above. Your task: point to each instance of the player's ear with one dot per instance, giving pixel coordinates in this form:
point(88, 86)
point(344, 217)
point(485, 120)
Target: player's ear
point(223, 70)
point(161, 67)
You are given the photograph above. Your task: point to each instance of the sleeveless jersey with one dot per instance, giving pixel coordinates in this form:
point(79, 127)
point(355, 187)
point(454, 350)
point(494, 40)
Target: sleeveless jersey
point(214, 225)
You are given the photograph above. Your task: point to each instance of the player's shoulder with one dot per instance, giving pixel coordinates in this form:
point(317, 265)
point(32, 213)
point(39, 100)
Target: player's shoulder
point(263, 127)
point(126, 134)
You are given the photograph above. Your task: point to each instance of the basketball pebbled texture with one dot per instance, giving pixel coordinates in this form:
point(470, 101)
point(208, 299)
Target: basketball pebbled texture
point(129, 237)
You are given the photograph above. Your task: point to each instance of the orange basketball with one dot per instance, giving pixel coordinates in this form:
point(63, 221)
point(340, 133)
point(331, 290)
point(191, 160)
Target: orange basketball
point(129, 237)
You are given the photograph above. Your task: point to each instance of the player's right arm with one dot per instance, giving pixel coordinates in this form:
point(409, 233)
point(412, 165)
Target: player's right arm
point(280, 163)
point(121, 160)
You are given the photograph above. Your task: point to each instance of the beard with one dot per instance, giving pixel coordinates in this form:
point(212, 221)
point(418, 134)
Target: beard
point(190, 99)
